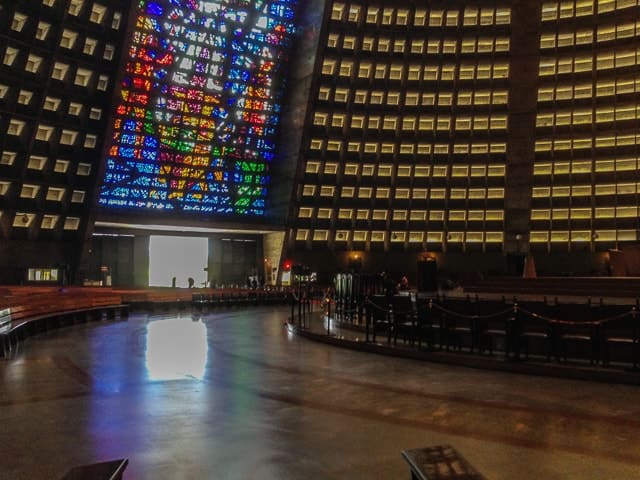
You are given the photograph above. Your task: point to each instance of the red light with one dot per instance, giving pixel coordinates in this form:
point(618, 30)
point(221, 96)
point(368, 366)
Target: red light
point(286, 265)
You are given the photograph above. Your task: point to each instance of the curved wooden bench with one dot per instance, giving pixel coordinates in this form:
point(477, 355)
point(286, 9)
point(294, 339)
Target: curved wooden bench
point(27, 315)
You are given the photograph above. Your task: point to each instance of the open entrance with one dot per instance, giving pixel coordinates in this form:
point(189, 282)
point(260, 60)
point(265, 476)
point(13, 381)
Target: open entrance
point(177, 257)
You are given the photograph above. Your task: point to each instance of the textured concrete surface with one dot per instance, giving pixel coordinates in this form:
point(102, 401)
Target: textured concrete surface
point(232, 395)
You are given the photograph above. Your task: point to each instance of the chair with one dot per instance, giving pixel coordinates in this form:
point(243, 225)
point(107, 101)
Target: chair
point(428, 324)
point(493, 322)
point(527, 327)
point(458, 323)
point(620, 330)
point(566, 332)
point(404, 318)
point(379, 315)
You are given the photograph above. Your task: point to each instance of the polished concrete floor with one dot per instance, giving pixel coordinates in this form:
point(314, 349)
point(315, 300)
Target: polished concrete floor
point(232, 395)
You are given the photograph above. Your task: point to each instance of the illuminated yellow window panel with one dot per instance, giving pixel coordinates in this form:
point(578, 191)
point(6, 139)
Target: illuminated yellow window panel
point(475, 215)
point(626, 189)
point(378, 236)
point(372, 15)
point(312, 167)
point(419, 193)
point(583, 91)
point(320, 118)
point(422, 170)
point(623, 164)
point(627, 235)
point(495, 192)
point(324, 213)
point(419, 17)
point(539, 237)
point(493, 237)
point(441, 148)
point(342, 235)
point(365, 192)
point(416, 237)
point(407, 148)
point(345, 214)
point(605, 212)
point(561, 191)
point(542, 169)
point(457, 215)
point(384, 170)
point(449, 46)
point(399, 215)
point(463, 123)
point(455, 237)
point(316, 144)
point(302, 235)
point(605, 236)
point(360, 236)
point(337, 11)
point(541, 192)
point(435, 237)
point(362, 214)
point(549, 11)
point(328, 66)
point(327, 190)
point(438, 193)
point(559, 236)
point(626, 212)
point(305, 212)
point(404, 171)
point(398, 236)
point(308, 190)
point(320, 235)
point(477, 193)
point(347, 192)
point(475, 237)
point(460, 171)
point(349, 42)
point(337, 120)
point(580, 143)
point(417, 215)
point(370, 147)
point(581, 236)
point(357, 121)
point(334, 145)
point(580, 213)
point(402, 193)
point(540, 214)
point(353, 147)
point(330, 168)
point(382, 192)
point(379, 215)
point(480, 170)
point(605, 189)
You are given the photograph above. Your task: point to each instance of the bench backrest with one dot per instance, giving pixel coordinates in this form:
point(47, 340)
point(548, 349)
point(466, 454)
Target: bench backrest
point(5, 317)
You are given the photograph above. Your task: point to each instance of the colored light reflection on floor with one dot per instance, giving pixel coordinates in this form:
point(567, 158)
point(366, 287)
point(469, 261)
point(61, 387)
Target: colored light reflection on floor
point(176, 348)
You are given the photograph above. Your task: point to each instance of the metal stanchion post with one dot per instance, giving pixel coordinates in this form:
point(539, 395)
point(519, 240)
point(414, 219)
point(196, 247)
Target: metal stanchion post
point(328, 316)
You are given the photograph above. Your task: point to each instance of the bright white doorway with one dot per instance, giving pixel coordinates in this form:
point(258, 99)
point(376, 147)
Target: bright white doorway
point(179, 257)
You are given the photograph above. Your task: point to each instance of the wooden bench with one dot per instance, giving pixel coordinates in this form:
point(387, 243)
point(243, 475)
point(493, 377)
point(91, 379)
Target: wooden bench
point(440, 462)
point(111, 470)
point(29, 314)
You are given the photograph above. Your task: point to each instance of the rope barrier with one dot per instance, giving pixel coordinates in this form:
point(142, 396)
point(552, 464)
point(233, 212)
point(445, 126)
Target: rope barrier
point(572, 322)
point(472, 317)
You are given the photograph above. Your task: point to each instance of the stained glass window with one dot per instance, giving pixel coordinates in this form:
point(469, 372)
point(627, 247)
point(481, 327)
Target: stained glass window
point(196, 122)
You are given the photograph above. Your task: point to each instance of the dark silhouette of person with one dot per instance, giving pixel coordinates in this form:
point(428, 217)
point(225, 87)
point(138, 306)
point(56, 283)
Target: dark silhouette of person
point(191, 281)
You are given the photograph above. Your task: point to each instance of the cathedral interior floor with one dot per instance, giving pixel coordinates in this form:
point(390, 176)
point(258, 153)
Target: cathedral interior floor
point(233, 395)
